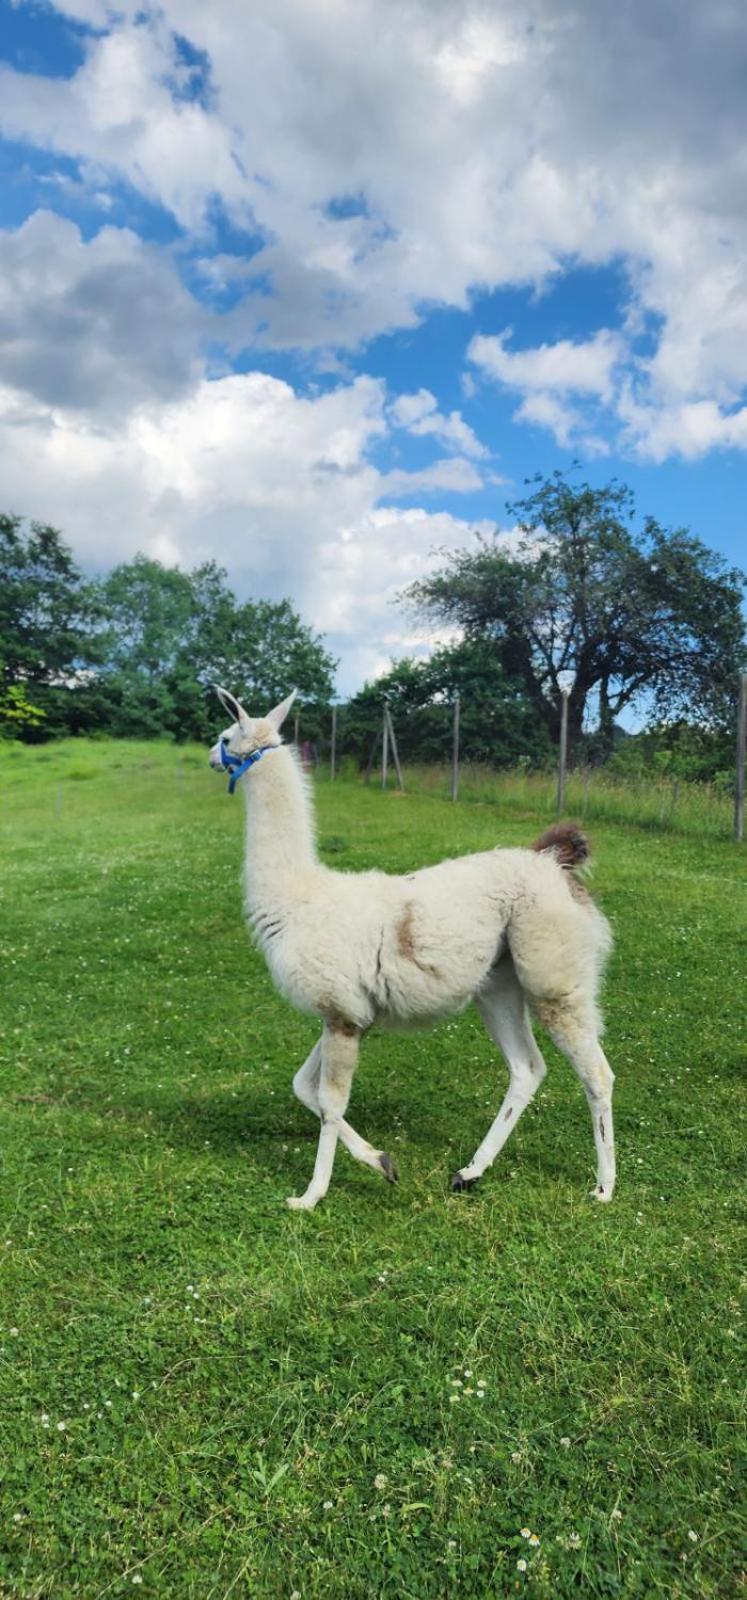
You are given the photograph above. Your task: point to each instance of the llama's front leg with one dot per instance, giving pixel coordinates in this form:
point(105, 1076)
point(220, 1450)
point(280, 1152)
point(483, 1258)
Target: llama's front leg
point(339, 1055)
point(306, 1089)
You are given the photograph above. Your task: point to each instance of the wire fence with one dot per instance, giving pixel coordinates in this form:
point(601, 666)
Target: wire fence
point(390, 756)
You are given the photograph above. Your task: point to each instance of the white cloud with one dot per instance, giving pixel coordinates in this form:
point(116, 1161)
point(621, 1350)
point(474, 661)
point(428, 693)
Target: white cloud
point(547, 376)
point(100, 325)
point(480, 147)
point(279, 488)
point(562, 368)
point(419, 415)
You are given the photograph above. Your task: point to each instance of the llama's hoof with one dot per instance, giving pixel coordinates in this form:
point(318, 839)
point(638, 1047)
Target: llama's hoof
point(460, 1184)
point(603, 1193)
point(301, 1202)
point(388, 1168)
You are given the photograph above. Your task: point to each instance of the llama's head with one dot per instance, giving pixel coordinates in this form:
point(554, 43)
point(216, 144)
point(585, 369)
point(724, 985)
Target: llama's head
point(246, 734)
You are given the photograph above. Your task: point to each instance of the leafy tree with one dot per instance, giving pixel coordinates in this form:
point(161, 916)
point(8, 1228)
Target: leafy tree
point(628, 615)
point(263, 650)
point(46, 617)
point(17, 714)
point(167, 635)
point(498, 723)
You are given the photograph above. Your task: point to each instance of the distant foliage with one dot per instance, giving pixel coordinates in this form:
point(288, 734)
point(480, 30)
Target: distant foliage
point(498, 723)
point(631, 616)
point(17, 714)
point(135, 653)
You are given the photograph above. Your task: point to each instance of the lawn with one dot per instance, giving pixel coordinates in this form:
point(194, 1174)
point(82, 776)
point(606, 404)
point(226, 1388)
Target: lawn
point(205, 1395)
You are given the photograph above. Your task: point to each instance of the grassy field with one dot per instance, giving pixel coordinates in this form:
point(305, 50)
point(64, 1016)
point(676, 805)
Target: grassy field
point(204, 1395)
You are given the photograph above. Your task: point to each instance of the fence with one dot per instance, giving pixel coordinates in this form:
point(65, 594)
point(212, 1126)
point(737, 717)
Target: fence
point(584, 791)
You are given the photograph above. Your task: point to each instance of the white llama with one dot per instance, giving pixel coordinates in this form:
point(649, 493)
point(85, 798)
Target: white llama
point(509, 929)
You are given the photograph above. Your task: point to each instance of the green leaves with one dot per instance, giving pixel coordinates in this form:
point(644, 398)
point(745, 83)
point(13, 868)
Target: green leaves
point(133, 653)
point(652, 616)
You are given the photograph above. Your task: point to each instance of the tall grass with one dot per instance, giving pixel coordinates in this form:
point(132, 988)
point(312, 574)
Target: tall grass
point(652, 803)
point(659, 804)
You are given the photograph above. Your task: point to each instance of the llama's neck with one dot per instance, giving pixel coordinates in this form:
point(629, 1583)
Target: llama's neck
point(279, 826)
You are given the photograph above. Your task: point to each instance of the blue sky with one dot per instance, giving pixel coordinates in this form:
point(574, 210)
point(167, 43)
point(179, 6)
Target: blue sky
point(311, 287)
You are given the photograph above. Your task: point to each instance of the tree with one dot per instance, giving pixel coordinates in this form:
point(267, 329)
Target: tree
point(167, 635)
point(498, 723)
point(46, 618)
point(629, 616)
point(17, 714)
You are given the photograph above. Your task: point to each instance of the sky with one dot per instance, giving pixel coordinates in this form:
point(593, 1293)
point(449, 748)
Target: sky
point(311, 287)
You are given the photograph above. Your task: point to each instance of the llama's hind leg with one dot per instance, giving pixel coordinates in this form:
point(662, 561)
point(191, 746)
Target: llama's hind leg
point(504, 1012)
point(574, 1029)
point(306, 1089)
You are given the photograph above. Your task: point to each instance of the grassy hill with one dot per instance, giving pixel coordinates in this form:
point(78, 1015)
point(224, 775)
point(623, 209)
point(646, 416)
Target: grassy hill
point(204, 1395)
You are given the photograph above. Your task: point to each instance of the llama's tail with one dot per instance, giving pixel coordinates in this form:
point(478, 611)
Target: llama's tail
point(568, 843)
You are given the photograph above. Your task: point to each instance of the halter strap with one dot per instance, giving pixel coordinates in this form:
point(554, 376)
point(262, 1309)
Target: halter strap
point(236, 766)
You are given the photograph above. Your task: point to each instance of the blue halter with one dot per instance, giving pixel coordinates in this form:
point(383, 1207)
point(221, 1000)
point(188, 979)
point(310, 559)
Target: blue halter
point(236, 766)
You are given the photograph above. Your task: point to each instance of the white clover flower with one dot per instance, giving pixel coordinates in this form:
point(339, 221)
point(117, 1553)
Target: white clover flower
point(451, 1544)
point(381, 1480)
point(516, 1457)
point(692, 1535)
point(453, 1399)
point(137, 1577)
point(565, 1442)
point(61, 1426)
point(617, 1514)
point(521, 1566)
point(329, 1505)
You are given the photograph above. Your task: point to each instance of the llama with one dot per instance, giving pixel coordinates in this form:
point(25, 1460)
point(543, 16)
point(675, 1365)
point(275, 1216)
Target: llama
point(508, 929)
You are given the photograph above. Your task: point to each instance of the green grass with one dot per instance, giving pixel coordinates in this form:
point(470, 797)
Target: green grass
point(663, 805)
point(235, 1380)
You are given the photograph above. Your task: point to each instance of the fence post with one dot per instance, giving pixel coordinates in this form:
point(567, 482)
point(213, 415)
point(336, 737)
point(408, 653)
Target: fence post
point(563, 756)
point(372, 758)
point(333, 748)
point(384, 751)
point(455, 753)
point(395, 751)
point(741, 753)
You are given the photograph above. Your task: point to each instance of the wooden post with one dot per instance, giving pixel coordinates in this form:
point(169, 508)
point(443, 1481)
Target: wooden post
point(395, 752)
point(372, 758)
point(384, 751)
point(563, 756)
point(455, 752)
point(333, 749)
point(741, 753)
point(295, 729)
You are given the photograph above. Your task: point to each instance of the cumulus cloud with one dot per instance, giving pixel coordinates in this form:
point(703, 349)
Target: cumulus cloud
point(548, 375)
point(279, 486)
point(100, 325)
point(419, 415)
point(390, 156)
point(561, 368)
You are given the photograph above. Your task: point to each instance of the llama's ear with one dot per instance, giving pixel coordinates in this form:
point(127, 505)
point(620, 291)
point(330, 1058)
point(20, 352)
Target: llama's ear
point(277, 716)
point(231, 704)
